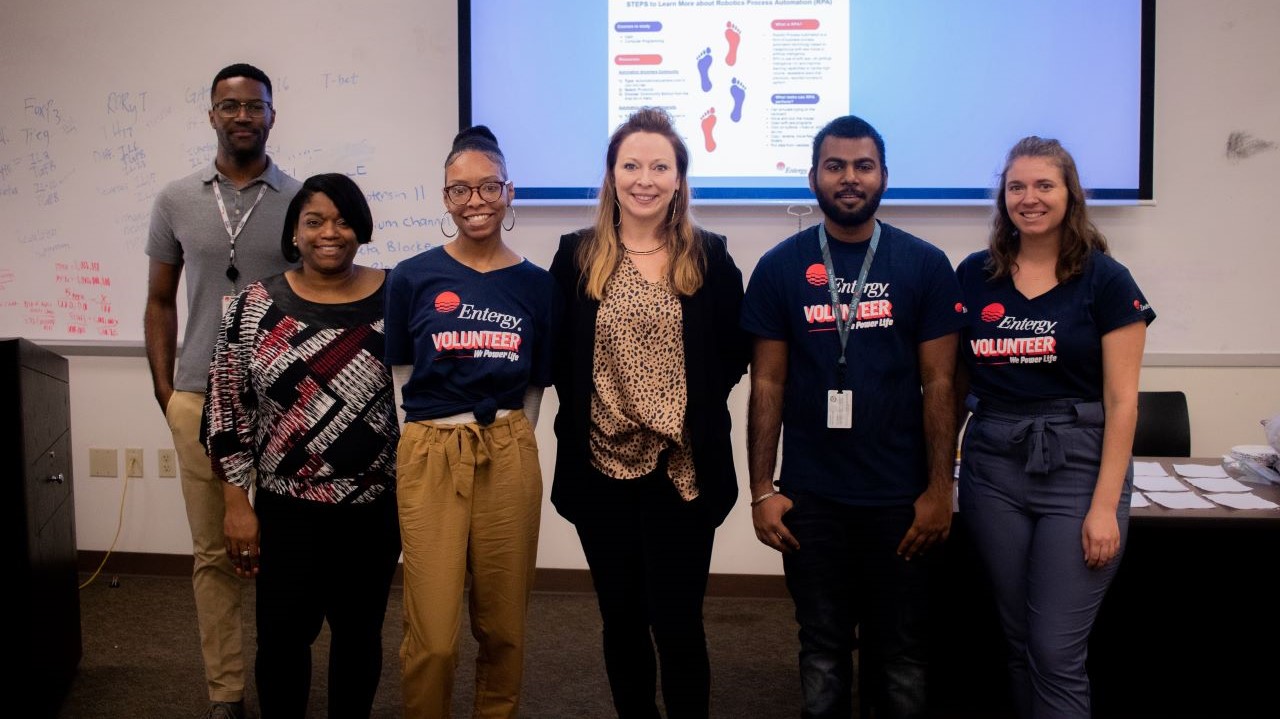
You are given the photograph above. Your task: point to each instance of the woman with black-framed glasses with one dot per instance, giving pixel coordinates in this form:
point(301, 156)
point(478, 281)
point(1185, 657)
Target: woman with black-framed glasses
point(468, 339)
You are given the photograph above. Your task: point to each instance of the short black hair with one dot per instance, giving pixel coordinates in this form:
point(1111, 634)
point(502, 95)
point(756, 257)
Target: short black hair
point(240, 69)
point(478, 138)
point(345, 195)
point(851, 127)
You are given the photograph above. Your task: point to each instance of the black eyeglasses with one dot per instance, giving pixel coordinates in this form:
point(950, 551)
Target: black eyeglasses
point(461, 194)
point(231, 108)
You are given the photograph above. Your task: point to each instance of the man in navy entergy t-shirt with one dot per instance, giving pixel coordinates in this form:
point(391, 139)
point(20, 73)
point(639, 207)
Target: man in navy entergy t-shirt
point(856, 332)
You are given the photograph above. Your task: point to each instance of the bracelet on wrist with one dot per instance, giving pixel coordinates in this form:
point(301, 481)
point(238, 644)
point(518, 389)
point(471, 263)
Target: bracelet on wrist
point(763, 497)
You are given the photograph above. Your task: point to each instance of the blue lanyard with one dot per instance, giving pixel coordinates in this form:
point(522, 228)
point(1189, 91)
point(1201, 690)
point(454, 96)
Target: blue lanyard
point(843, 326)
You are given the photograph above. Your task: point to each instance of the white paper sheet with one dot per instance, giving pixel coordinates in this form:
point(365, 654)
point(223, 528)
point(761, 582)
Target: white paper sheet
point(1179, 500)
point(1137, 500)
point(1200, 470)
point(1242, 501)
point(1217, 484)
point(1160, 484)
point(1149, 469)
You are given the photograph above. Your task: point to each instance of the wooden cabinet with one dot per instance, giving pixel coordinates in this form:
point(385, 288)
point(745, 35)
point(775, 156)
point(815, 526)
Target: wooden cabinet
point(40, 520)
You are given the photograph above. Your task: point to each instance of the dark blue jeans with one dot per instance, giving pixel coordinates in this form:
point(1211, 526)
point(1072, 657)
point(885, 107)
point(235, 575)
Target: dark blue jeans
point(847, 574)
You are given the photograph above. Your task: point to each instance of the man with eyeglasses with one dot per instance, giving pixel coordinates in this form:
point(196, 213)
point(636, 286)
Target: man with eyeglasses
point(222, 223)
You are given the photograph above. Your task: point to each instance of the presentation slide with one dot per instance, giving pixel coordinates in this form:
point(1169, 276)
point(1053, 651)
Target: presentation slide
point(797, 75)
point(951, 86)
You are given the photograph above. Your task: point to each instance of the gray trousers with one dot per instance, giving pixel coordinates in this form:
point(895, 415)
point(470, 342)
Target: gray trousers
point(1026, 481)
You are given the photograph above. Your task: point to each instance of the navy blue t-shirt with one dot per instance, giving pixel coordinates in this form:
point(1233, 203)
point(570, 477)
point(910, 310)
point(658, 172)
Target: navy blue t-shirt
point(911, 297)
point(476, 340)
point(1048, 347)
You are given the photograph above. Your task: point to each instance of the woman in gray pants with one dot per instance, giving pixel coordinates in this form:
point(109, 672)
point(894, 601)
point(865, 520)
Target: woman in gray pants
point(1052, 353)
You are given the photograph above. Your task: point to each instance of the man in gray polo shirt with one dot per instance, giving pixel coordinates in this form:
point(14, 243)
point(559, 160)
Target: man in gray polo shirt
point(222, 223)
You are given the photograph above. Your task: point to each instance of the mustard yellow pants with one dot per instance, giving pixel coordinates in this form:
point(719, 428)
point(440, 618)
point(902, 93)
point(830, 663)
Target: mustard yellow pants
point(470, 499)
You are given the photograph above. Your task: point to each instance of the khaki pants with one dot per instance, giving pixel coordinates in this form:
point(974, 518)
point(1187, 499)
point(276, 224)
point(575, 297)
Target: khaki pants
point(470, 499)
point(217, 588)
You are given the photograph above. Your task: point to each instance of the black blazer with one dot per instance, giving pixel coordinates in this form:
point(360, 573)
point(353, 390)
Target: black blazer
point(716, 352)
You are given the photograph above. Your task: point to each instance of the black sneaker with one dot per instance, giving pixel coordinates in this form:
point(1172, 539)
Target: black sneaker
point(224, 710)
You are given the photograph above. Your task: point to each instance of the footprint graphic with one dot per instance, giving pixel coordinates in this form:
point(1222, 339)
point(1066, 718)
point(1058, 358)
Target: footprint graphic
point(739, 93)
point(708, 124)
point(704, 64)
point(734, 36)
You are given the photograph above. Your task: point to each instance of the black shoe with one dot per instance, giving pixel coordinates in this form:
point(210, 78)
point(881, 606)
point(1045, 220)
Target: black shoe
point(224, 710)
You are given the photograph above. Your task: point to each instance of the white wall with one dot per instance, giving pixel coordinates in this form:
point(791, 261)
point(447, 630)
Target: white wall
point(1216, 74)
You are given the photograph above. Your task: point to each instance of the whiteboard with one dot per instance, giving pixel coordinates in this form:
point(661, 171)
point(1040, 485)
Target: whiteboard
point(102, 104)
point(370, 89)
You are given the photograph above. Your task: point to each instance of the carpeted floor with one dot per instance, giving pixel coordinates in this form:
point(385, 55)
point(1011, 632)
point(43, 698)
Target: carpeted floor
point(141, 657)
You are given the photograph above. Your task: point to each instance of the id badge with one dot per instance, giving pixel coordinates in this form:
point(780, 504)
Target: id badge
point(839, 409)
point(226, 302)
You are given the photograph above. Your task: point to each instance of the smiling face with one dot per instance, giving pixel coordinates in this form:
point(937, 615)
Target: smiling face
point(1035, 196)
point(478, 218)
point(848, 180)
point(326, 242)
point(242, 137)
point(645, 176)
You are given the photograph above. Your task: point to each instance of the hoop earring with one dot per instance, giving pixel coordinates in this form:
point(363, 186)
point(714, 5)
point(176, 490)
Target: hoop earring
point(455, 227)
point(511, 212)
point(617, 213)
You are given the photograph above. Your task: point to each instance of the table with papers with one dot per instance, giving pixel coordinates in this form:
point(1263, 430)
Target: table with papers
point(1181, 616)
point(1181, 489)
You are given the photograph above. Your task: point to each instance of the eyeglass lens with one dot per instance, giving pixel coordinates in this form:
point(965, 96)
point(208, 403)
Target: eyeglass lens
point(231, 108)
point(461, 194)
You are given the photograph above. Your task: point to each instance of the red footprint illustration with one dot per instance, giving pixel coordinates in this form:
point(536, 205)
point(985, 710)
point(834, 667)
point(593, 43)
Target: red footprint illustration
point(709, 123)
point(734, 36)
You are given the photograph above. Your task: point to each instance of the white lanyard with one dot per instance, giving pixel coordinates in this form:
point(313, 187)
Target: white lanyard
point(232, 272)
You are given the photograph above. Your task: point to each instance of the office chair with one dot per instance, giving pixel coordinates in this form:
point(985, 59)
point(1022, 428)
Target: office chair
point(1164, 425)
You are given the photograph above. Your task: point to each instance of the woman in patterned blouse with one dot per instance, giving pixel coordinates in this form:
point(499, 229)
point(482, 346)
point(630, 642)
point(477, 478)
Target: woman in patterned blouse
point(300, 407)
point(649, 350)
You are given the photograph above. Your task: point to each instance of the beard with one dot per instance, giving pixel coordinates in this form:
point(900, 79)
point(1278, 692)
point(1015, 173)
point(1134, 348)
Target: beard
point(243, 152)
point(849, 218)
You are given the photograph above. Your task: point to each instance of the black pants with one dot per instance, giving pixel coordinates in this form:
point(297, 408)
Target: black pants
point(649, 553)
point(322, 562)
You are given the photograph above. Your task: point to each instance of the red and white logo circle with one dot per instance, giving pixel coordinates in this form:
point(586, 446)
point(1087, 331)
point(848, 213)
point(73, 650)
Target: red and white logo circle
point(816, 275)
point(992, 312)
point(960, 308)
point(447, 302)
point(1137, 305)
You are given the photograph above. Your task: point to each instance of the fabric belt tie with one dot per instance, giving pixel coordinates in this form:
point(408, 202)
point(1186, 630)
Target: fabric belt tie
point(465, 450)
point(1044, 447)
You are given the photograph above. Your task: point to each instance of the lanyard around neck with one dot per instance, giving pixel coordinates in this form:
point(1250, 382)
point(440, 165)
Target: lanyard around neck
point(843, 325)
point(233, 233)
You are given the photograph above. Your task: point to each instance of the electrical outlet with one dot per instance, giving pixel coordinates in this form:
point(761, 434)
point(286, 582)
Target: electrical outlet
point(133, 462)
point(167, 463)
point(104, 463)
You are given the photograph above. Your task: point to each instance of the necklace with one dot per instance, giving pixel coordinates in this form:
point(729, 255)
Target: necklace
point(630, 251)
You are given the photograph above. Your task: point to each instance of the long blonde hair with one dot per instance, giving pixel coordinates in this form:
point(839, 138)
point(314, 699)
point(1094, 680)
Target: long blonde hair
point(600, 252)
